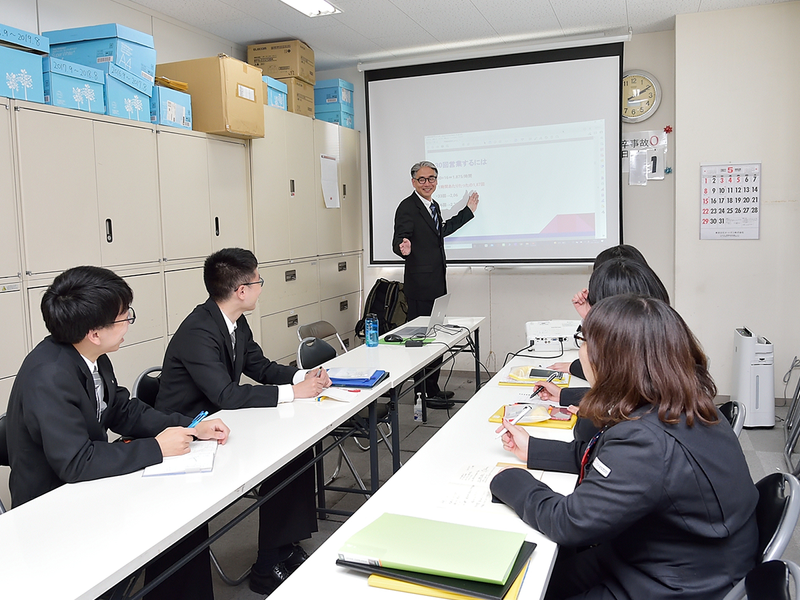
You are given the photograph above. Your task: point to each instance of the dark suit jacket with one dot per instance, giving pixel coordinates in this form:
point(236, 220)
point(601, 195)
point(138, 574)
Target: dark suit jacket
point(425, 266)
point(199, 372)
point(53, 433)
point(672, 508)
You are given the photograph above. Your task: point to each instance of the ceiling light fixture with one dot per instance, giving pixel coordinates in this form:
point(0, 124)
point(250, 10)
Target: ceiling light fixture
point(313, 8)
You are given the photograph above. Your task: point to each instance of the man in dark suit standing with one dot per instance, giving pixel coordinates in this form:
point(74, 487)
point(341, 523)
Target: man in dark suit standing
point(419, 233)
point(204, 362)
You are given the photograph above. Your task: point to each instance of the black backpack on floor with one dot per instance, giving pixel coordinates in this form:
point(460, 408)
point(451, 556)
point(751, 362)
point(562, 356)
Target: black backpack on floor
point(387, 300)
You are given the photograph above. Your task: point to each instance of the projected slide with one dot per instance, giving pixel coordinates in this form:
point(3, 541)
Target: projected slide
point(537, 135)
point(551, 179)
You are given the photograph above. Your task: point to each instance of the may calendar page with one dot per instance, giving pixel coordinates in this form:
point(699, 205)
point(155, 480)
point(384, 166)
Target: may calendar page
point(730, 201)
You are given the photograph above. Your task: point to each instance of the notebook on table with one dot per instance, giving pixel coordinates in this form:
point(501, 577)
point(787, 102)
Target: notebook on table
point(436, 547)
point(438, 314)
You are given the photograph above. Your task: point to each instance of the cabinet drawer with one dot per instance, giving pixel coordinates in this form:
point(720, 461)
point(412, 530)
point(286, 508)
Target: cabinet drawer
point(339, 275)
point(279, 331)
point(288, 285)
point(342, 312)
point(185, 290)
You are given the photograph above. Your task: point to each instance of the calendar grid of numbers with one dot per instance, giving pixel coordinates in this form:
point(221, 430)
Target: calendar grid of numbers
point(730, 201)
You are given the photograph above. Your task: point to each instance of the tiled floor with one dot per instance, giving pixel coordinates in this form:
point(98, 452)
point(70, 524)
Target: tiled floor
point(237, 550)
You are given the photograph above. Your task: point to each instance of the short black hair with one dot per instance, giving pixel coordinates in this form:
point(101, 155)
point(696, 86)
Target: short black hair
point(625, 276)
point(620, 251)
point(82, 299)
point(227, 269)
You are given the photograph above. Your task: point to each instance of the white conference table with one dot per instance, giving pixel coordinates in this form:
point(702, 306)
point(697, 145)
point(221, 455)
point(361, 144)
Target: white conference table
point(89, 536)
point(424, 487)
point(83, 538)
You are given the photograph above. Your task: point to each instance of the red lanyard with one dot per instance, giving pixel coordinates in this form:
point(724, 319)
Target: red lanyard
point(585, 459)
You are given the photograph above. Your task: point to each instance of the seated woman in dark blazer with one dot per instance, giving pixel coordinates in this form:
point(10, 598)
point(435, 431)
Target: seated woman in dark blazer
point(665, 506)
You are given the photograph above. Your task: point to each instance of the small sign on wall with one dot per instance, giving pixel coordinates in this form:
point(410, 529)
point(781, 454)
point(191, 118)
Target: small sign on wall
point(730, 201)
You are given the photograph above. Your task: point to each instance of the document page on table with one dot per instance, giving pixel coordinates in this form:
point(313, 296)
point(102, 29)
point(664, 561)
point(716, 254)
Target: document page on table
point(470, 486)
point(200, 459)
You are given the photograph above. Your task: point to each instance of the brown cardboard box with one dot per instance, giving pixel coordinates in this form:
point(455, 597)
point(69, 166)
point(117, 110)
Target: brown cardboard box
point(227, 94)
point(280, 60)
point(300, 96)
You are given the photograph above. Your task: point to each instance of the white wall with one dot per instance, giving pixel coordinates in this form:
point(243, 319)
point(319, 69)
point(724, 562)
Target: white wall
point(737, 84)
point(173, 40)
point(510, 296)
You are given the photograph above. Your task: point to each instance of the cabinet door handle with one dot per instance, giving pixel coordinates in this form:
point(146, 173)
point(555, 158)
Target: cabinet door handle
point(344, 190)
point(216, 225)
point(291, 187)
point(343, 305)
point(292, 321)
point(342, 266)
point(109, 231)
point(290, 275)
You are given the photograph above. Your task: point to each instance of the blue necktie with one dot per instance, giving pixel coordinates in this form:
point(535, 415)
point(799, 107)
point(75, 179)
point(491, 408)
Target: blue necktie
point(435, 216)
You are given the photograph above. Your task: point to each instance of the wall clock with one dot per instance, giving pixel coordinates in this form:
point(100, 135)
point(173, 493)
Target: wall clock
point(641, 95)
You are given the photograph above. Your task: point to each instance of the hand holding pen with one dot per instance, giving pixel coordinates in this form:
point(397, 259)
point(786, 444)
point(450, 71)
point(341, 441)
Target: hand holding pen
point(527, 409)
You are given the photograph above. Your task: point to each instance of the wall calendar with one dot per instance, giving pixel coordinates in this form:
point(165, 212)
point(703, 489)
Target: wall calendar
point(730, 201)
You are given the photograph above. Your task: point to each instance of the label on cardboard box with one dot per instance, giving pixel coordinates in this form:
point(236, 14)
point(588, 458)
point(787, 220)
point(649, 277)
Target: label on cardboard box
point(245, 92)
point(131, 80)
point(24, 39)
point(281, 60)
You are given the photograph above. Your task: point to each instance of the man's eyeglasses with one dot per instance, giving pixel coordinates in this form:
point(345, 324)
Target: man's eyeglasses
point(131, 318)
point(579, 339)
point(423, 180)
point(259, 282)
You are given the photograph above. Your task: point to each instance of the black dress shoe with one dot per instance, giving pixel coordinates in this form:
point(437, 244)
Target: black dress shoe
point(445, 395)
point(296, 558)
point(266, 583)
point(439, 403)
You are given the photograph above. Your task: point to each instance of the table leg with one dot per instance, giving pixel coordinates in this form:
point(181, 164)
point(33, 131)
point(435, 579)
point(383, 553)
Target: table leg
point(373, 446)
point(394, 419)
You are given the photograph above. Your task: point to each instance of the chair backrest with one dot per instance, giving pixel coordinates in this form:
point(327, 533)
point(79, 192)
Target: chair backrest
point(735, 413)
point(770, 581)
point(313, 351)
point(319, 329)
point(145, 388)
point(777, 512)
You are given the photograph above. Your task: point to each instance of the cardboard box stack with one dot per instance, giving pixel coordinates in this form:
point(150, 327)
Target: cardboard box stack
point(126, 56)
point(292, 63)
point(21, 63)
point(333, 102)
point(227, 94)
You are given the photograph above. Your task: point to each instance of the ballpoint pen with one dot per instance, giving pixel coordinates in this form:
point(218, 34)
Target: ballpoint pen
point(203, 414)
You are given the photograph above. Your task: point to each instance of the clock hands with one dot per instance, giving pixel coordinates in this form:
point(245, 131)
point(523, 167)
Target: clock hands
point(639, 93)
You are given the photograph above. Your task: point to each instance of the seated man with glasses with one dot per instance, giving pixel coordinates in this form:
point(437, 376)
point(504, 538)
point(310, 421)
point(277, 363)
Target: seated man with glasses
point(419, 232)
point(66, 397)
point(204, 362)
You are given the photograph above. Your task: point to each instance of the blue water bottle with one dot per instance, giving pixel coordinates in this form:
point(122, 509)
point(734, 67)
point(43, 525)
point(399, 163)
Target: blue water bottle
point(372, 330)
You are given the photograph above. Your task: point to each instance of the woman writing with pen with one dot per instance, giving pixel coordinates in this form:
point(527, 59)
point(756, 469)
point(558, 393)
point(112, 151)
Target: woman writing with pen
point(665, 507)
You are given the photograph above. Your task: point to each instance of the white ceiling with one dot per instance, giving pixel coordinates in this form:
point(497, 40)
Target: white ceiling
point(381, 30)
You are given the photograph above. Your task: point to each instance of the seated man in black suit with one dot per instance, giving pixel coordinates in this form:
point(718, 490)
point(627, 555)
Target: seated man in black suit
point(204, 362)
point(66, 398)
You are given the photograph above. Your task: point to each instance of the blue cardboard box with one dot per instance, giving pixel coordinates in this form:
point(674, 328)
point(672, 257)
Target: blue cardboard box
point(334, 113)
point(22, 75)
point(11, 36)
point(71, 85)
point(276, 92)
point(127, 96)
point(334, 91)
point(171, 107)
point(100, 46)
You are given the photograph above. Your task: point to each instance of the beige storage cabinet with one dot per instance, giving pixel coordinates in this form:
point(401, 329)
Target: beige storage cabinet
point(329, 220)
point(279, 331)
point(271, 194)
point(339, 275)
point(185, 290)
point(350, 189)
point(229, 194)
point(9, 253)
point(287, 285)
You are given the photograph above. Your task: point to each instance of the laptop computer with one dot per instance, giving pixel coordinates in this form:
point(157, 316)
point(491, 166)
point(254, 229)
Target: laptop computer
point(438, 314)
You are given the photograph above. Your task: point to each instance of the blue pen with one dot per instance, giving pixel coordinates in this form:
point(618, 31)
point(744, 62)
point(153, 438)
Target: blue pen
point(203, 414)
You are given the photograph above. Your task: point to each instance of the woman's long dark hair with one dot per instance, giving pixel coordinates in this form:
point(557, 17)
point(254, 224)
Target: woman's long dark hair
point(642, 352)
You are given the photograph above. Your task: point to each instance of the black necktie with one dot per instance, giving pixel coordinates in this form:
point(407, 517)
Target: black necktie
point(435, 215)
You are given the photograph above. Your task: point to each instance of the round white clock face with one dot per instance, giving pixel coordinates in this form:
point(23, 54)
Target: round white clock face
point(641, 95)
